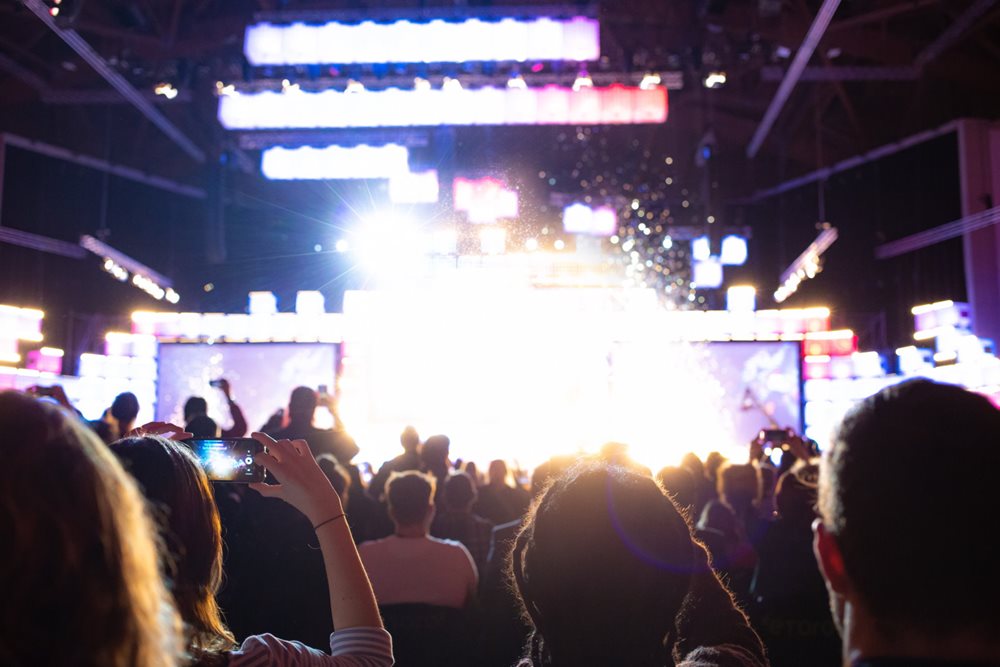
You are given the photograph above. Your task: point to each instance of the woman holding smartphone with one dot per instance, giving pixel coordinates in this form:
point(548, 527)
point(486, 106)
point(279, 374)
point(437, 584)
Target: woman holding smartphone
point(173, 481)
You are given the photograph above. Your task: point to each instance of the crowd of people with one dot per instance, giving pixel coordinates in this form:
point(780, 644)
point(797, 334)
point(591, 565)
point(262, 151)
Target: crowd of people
point(119, 550)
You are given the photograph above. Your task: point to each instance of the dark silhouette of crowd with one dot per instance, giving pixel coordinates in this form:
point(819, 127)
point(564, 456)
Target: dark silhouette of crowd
point(119, 550)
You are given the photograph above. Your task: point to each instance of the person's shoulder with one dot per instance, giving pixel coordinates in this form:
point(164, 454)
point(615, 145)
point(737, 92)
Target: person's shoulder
point(446, 544)
point(270, 650)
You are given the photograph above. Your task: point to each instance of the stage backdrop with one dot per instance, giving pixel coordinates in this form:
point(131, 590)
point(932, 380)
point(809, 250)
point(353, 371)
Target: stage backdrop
point(262, 376)
point(527, 374)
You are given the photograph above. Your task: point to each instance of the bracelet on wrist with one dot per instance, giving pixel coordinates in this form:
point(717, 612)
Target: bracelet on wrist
point(342, 515)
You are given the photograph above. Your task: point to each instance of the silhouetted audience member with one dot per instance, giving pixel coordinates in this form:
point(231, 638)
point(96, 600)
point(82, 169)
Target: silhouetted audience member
point(411, 566)
point(301, 409)
point(202, 427)
point(174, 482)
point(609, 575)
point(340, 478)
point(789, 607)
point(457, 522)
point(196, 406)
point(906, 541)
point(79, 567)
point(119, 419)
point(434, 460)
point(730, 527)
point(706, 487)
point(408, 460)
point(498, 501)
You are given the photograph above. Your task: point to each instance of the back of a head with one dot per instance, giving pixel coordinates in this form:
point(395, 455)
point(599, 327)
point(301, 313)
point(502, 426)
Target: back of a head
point(179, 492)
point(680, 485)
point(202, 427)
point(410, 496)
point(339, 476)
point(602, 567)
point(79, 560)
point(904, 490)
point(302, 404)
point(435, 449)
point(739, 484)
point(713, 462)
point(125, 408)
point(459, 491)
point(409, 439)
point(194, 406)
point(796, 493)
point(498, 471)
point(692, 463)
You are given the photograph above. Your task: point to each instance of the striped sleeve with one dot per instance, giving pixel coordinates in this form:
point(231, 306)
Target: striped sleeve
point(354, 647)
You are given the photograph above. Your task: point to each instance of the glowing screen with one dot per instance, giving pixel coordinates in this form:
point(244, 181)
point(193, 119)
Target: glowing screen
point(262, 376)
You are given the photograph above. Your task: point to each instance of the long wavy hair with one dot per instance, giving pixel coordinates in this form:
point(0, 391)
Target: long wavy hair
point(180, 496)
point(79, 568)
point(602, 566)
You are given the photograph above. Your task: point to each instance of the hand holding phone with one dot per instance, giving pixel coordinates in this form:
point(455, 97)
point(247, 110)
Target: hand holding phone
point(301, 482)
point(229, 459)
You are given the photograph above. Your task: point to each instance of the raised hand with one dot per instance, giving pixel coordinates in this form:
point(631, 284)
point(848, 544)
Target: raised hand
point(301, 482)
point(166, 429)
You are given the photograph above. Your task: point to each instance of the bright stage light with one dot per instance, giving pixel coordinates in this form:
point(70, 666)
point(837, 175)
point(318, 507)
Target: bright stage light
point(390, 246)
point(741, 298)
point(393, 107)
point(715, 80)
point(471, 40)
point(582, 219)
point(701, 250)
point(334, 162)
point(707, 274)
point(342, 246)
point(420, 187)
point(734, 250)
point(493, 240)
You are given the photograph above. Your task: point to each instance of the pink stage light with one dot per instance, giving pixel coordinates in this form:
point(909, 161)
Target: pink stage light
point(550, 105)
point(485, 200)
point(472, 40)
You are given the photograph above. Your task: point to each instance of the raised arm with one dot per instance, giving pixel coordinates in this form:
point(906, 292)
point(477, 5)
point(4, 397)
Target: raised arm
point(239, 427)
point(303, 485)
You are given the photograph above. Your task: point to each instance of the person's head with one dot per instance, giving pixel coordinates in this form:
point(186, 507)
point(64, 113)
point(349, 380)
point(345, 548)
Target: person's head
point(125, 408)
point(459, 492)
point(739, 485)
point(409, 439)
point(410, 496)
point(680, 485)
point(713, 462)
point(597, 536)
point(498, 472)
point(194, 406)
point(79, 561)
point(796, 494)
point(338, 475)
point(549, 470)
point(692, 463)
point(434, 455)
point(180, 494)
point(302, 405)
point(905, 537)
point(203, 427)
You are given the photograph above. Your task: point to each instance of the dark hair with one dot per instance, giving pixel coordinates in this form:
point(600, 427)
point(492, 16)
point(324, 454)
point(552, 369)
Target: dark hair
point(459, 491)
point(905, 491)
point(409, 439)
point(79, 568)
point(498, 469)
point(680, 485)
point(302, 403)
point(409, 494)
point(338, 475)
point(203, 426)
point(796, 494)
point(739, 485)
point(602, 566)
point(125, 408)
point(194, 406)
point(181, 497)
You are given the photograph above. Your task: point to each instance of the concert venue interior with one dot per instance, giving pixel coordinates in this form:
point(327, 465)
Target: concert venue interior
point(535, 227)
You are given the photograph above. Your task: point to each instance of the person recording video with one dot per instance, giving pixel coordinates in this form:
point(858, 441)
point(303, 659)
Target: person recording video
point(196, 406)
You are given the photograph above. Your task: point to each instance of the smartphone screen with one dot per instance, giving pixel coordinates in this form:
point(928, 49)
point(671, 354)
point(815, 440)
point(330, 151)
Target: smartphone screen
point(229, 459)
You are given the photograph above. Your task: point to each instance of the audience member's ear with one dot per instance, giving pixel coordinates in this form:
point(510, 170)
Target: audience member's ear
point(831, 561)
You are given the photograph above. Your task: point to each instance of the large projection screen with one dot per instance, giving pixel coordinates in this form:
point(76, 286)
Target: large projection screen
point(262, 376)
point(525, 375)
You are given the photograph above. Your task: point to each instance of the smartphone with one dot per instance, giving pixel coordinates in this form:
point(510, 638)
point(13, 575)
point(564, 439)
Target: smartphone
point(774, 436)
point(321, 390)
point(215, 383)
point(229, 459)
